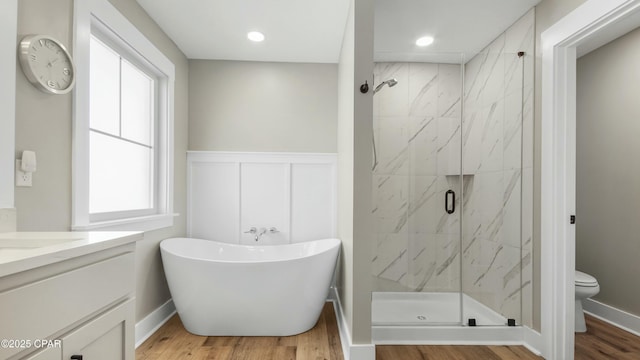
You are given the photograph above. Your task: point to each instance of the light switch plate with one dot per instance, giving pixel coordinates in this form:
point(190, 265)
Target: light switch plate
point(23, 179)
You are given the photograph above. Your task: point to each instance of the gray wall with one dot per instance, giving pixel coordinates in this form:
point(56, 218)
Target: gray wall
point(44, 124)
point(607, 172)
point(262, 106)
point(355, 128)
point(548, 12)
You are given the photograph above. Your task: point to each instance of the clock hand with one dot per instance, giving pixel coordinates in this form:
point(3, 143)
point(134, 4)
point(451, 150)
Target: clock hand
point(51, 62)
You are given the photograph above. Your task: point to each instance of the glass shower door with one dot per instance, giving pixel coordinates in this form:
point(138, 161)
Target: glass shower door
point(452, 186)
point(493, 118)
point(417, 194)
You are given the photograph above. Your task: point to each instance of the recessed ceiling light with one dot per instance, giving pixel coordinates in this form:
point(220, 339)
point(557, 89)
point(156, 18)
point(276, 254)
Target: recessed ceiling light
point(424, 41)
point(255, 36)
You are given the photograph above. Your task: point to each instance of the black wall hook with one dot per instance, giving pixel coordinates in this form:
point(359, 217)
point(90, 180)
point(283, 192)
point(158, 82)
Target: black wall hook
point(364, 88)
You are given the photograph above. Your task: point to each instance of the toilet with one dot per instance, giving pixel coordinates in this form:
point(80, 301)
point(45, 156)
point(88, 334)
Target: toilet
point(586, 287)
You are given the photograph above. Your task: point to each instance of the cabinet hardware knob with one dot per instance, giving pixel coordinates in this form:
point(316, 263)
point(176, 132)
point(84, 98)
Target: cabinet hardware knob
point(76, 357)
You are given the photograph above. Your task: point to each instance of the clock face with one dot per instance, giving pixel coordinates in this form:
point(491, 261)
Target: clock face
point(47, 64)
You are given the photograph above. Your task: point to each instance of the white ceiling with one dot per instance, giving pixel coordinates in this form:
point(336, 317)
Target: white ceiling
point(458, 26)
point(295, 30)
point(311, 30)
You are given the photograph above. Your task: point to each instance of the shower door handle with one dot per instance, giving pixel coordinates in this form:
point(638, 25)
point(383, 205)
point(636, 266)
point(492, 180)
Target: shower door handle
point(450, 194)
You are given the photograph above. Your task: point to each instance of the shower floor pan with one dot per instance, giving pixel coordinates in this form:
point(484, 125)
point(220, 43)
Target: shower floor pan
point(402, 308)
point(434, 318)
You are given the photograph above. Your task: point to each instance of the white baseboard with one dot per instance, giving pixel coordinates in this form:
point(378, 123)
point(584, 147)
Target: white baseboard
point(343, 329)
point(349, 350)
point(362, 352)
point(447, 335)
point(616, 317)
point(533, 340)
point(152, 322)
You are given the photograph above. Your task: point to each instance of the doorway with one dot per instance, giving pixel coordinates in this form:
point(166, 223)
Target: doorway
point(591, 25)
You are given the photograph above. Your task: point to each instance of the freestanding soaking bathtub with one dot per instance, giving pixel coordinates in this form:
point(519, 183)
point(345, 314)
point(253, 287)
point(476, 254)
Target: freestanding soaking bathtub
point(224, 289)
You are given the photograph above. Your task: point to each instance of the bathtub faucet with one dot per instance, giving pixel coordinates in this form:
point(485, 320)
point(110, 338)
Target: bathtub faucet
point(256, 234)
point(253, 231)
point(262, 232)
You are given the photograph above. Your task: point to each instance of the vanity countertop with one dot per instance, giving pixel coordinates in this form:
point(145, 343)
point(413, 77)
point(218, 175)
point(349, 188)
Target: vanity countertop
point(21, 251)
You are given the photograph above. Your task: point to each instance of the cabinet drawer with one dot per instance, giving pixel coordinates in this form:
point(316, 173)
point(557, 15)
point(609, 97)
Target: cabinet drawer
point(107, 337)
point(41, 309)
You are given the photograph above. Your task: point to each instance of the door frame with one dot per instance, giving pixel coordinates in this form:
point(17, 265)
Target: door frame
point(588, 27)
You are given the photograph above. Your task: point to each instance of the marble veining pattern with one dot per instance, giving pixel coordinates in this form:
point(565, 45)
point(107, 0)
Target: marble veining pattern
point(497, 231)
point(427, 129)
point(417, 127)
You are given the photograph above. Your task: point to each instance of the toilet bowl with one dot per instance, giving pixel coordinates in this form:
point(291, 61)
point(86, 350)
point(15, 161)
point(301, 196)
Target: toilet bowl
point(586, 287)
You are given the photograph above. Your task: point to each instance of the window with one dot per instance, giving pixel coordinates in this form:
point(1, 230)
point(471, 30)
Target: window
point(123, 125)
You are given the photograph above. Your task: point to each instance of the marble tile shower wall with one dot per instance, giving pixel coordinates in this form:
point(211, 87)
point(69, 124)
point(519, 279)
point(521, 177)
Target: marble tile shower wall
point(417, 127)
point(497, 149)
point(417, 136)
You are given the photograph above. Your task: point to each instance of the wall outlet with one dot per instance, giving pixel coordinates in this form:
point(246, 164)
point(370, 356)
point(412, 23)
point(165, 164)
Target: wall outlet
point(24, 179)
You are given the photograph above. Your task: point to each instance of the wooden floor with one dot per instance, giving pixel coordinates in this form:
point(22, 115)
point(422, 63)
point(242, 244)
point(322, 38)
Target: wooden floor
point(453, 352)
point(604, 341)
point(172, 341)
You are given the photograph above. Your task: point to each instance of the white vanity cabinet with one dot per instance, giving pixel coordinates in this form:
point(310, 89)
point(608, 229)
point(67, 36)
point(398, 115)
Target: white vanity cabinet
point(82, 307)
point(47, 354)
point(109, 336)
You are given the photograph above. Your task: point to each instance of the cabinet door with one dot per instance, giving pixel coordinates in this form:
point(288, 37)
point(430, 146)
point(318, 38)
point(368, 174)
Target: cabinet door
point(72, 296)
point(109, 336)
point(48, 354)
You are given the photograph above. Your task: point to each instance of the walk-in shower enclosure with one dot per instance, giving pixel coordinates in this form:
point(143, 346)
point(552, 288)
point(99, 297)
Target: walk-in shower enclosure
point(452, 187)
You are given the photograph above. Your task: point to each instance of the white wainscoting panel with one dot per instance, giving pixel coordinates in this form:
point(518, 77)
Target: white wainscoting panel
point(231, 192)
point(264, 201)
point(214, 209)
point(312, 192)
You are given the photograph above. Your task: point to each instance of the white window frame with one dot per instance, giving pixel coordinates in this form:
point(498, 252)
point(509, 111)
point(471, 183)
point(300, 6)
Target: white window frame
point(106, 19)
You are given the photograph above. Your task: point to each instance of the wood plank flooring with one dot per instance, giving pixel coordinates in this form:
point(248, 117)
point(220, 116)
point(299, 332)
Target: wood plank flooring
point(604, 341)
point(173, 342)
point(453, 352)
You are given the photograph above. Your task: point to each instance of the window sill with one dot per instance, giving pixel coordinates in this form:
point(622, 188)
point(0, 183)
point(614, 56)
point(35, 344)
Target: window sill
point(143, 223)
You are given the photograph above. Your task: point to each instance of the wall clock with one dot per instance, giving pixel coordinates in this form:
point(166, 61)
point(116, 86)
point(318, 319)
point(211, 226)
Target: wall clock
point(47, 64)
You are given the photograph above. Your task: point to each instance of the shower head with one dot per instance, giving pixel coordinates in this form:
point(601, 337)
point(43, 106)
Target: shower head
point(390, 82)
